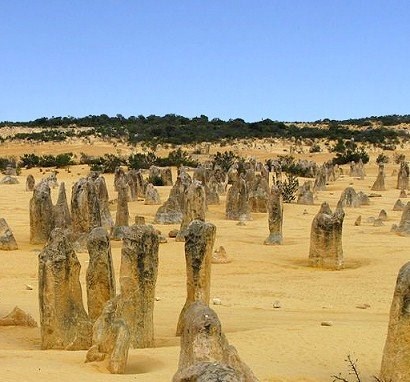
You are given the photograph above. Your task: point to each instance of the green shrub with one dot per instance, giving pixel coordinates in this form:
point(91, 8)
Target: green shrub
point(382, 158)
point(348, 151)
point(225, 160)
point(137, 161)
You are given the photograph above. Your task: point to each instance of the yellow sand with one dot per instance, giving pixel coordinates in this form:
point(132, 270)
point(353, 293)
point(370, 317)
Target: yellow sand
point(285, 344)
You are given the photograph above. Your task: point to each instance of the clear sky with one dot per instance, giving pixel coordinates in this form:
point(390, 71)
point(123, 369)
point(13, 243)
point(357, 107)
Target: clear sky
point(288, 60)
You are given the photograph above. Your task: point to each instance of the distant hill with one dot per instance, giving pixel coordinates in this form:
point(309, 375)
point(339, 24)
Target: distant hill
point(176, 129)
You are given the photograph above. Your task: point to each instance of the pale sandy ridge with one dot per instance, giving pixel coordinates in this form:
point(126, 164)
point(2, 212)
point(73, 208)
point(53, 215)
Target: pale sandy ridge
point(286, 344)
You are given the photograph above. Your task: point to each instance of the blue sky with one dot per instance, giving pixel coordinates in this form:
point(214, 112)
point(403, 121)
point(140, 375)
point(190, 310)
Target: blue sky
point(288, 60)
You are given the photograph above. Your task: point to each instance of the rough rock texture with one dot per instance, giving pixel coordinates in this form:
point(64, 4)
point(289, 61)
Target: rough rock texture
point(122, 215)
point(396, 354)
point(171, 211)
point(403, 229)
point(199, 243)
point(275, 218)
point(206, 354)
point(194, 208)
point(363, 198)
point(350, 198)
point(7, 240)
point(378, 185)
point(403, 176)
point(382, 215)
point(85, 207)
point(326, 238)
point(41, 214)
point(237, 201)
point(8, 179)
point(100, 279)
point(18, 317)
point(160, 176)
point(51, 180)
point(111, 339)
point(103, 199)
point(259, 194)
point(138, 276)
point(30, 182)
point(137, 182)
point(62, 216)
point(357, 169)
point(139, 220)
point(219, 256)
point(212, 190)
point(152, 195)
point(398, 206)
point(320, 179)
point(305, 194)
point(63, 319)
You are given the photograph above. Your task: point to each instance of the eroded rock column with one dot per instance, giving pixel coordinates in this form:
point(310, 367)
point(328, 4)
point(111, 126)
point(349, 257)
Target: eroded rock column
point(100, 272)
point(199, 243)
point(275, 210)
point(194, 208)
point(206, 354)
point(326, 238)
point(138, 276)
point(396, 354)
point(64, 321)
point(41, 214)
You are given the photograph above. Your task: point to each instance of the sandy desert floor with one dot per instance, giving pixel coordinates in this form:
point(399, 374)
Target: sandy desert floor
point(285, 344)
